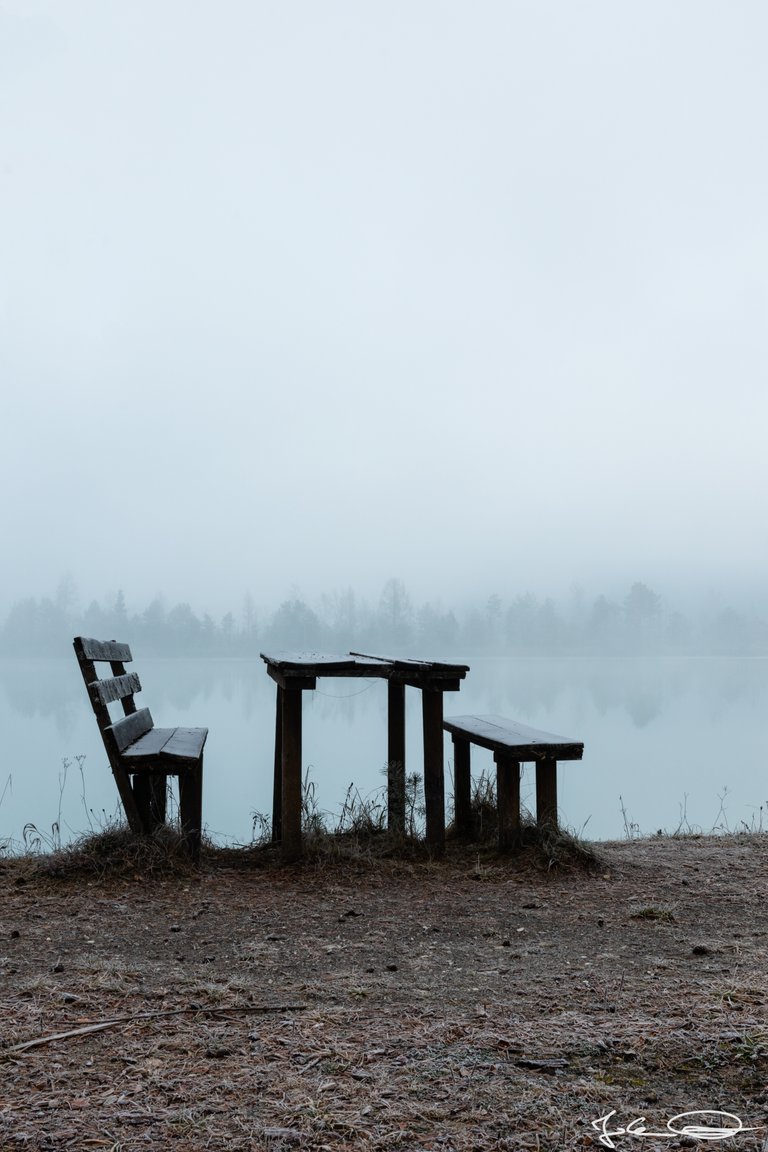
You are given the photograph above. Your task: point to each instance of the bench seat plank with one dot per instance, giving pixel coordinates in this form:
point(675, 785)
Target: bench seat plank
point(185, 744)
point(149, 746)
point(171, 744)
point(501, 735)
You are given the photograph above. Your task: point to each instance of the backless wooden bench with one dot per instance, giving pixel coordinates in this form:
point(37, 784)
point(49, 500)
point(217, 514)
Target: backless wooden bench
point(140, 755)
point(511, 744)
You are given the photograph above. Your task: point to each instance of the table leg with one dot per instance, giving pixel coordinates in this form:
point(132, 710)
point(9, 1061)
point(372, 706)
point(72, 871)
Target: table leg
point(434, 784)
point(291, 772)
point(396, 758)
point(277, 785)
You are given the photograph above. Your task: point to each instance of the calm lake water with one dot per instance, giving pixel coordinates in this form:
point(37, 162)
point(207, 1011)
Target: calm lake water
point(666, 740)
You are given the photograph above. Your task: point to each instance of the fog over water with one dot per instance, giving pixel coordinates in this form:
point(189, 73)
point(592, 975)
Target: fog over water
point(308, 296)
point(434, 327)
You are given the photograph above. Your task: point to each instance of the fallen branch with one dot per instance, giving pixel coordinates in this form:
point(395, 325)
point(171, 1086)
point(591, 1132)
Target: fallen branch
point(100, 1025)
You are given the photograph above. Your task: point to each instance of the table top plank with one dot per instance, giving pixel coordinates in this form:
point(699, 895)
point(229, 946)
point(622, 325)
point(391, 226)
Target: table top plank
point(304, 664)
point(413, 666)
point(301, 665)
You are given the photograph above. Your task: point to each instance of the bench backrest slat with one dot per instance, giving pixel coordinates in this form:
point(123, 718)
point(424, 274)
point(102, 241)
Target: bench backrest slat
point(111, 650)
point(120, 687)
point(130, 728)
point(116, 688)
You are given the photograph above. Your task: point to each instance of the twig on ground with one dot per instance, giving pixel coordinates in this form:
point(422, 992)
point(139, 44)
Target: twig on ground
point(100, 1025)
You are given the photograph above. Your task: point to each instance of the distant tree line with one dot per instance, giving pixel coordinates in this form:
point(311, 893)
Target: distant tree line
point(640, 622)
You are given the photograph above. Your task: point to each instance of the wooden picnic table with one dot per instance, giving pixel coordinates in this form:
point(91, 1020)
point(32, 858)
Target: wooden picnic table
point(295, 673)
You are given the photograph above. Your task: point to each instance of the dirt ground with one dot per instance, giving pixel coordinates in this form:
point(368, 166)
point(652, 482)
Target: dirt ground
point(471, 1003)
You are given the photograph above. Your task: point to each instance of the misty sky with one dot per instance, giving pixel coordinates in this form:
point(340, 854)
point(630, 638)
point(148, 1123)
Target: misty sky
point(310, 293)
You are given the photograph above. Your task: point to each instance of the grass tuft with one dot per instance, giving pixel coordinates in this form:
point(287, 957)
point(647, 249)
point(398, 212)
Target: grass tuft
point(116, 851)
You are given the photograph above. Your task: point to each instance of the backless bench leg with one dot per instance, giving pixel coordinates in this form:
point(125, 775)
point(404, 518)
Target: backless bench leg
point(462, 788)
point(508, 800)
point(191, 807)
point(546, 792)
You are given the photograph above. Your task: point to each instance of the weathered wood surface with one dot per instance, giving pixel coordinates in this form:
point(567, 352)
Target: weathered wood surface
point(115, 688)
point(186, 744)
point(295, 672)
point(353, 664)
point(277, 777)
point(131, 728)
point(511, 743)
point(499, 734)
point(168, 744)
point(291, 668)
point(395, 757)
point(290, 843)
point(462, 790)
point(546, 792)
point(508, 800)
point(140, 755)
point(102, 650)
point(412, 664)
point(434, 774)
point(420, 673)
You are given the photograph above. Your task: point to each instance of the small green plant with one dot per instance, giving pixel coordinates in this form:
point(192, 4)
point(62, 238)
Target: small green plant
point(415, 808)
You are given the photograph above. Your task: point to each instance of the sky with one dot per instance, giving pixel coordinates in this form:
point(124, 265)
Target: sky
point(300, 295)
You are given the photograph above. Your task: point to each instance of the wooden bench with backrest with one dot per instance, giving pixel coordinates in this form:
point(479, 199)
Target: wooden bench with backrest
point(141, 756)
point(511, 744)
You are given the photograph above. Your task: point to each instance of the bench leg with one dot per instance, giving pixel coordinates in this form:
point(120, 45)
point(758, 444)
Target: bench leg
point(396, 758)
point(434, 783)
point(158, 799)
point(462, 788)
point(546, 792)
point(128, 798)
point(142, 795)
point(508, 801)
point(290, 842)
point(191, 807)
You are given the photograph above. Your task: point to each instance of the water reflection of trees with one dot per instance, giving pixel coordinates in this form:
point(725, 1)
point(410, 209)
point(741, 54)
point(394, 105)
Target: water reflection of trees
point(643, 688)
point(44, 689)
point(529, 689)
